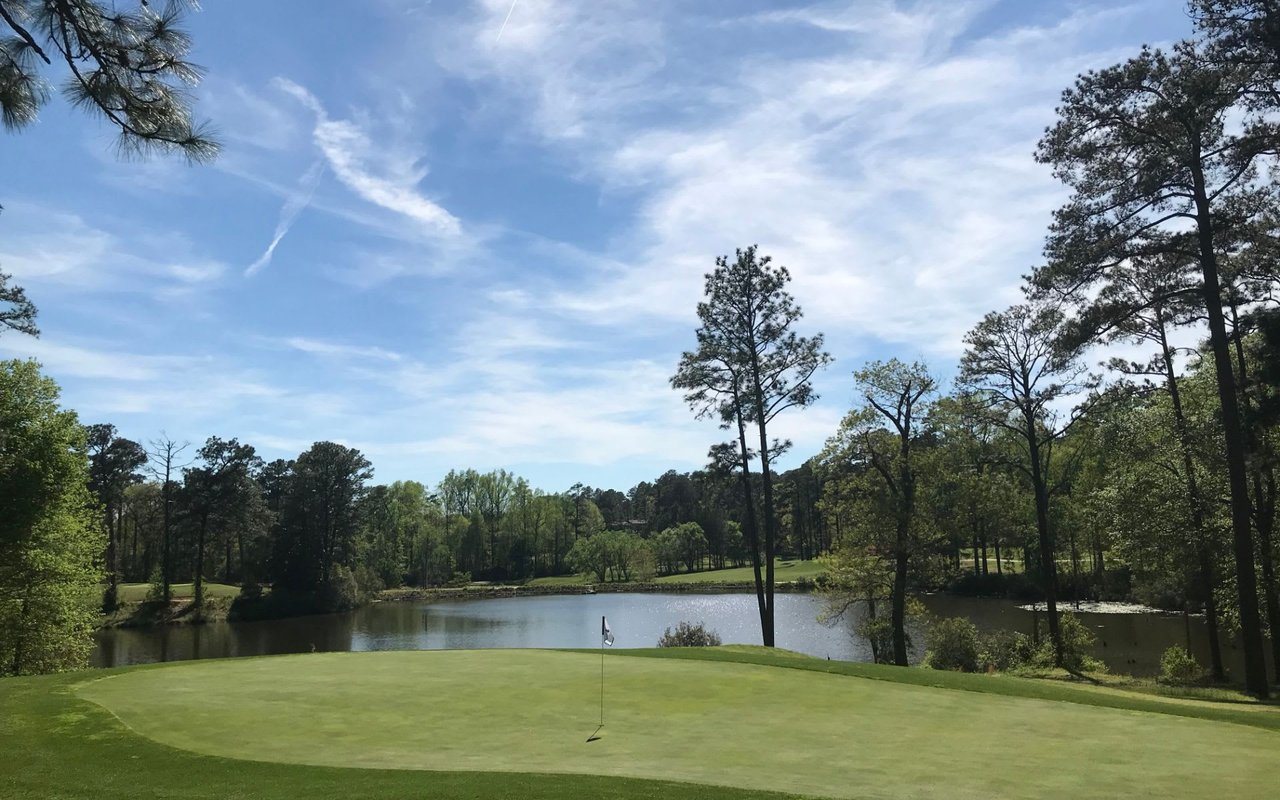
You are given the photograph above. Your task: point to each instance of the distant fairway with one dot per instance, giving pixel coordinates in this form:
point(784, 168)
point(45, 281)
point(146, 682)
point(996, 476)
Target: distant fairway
point(137, 592)
point(785, 570)
point(684, 719)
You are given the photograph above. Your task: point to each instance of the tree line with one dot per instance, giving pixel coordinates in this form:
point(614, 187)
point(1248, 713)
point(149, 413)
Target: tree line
point(1171, 224)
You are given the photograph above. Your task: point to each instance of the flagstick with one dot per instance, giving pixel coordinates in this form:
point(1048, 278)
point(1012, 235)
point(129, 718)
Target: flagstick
point(601, 681)
point(593, 737)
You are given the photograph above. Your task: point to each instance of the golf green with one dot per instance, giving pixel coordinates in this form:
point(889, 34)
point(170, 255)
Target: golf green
point(712, 722)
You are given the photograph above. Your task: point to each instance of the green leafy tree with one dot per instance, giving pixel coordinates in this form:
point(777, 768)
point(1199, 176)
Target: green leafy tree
point(1017, 369)
point(320, 524)
point(494, 492)
point(750, 366)
point(1158, 163)
point(977, 502)
point(50, 536)
point(224, 502)
point(857, 577)
point(1142, 301)
point(114, 464)
point(894, 400)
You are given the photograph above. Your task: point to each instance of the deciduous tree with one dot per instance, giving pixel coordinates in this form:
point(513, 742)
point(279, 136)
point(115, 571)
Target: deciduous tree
point(1021, 375)
point(51, 539)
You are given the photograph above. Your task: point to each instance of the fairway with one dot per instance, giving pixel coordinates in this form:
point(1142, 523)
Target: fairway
point(712, 722)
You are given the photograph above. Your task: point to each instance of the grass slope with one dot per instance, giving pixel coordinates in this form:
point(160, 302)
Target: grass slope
point(703, 717)
point(784, 571)
point(137, 592)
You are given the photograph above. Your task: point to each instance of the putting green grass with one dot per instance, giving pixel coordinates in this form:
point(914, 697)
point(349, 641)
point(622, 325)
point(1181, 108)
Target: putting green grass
point(711, 720)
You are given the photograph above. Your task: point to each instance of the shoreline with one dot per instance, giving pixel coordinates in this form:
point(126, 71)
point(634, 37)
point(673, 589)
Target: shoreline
point(433, 594)
point(219, 609)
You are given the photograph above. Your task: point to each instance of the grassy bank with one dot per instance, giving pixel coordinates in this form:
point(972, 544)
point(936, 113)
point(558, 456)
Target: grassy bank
point(137, 592)
point(727, 722)
point(135, 611)
point(785, 571)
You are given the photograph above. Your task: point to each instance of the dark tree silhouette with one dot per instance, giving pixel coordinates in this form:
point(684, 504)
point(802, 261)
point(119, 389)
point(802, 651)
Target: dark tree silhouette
point(130, 67)
point(749, 367)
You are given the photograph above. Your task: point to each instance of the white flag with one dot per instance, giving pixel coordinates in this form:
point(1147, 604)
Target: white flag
point(605, 633)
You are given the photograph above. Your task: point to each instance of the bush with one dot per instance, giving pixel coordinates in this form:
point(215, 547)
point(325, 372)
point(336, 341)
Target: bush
point(1179, 668)
point(1005, 650)
point(251, 590)
point(878, 631)
point(1076, 640)
point(342, 593)
point(155, 592)
point(687, 634)
point(110, 599)
point(953, 645)
point(459, 579)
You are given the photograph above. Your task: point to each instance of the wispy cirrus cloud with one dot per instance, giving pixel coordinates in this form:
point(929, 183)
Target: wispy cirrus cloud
point(375, 174)
point(890, 167)
point(44, 246)
point(323, 348)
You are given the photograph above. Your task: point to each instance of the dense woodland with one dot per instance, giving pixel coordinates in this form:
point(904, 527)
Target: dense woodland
point(1042, 465)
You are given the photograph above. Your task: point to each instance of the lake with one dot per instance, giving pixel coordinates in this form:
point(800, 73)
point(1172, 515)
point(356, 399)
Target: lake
point(1128, 642)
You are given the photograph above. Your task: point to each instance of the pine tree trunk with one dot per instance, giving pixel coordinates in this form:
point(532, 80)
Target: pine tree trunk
point(1048, 564)
point(199, 579)
point(1194, 500)
point(899, 610)
point(753, 533)
point(1255, 665)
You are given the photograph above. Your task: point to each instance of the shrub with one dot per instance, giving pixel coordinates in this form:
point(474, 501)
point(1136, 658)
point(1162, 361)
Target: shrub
point(878, 631)
point(155, 592)
point(251, 590)
point(459, 579)
point(368, 580)
point(110, 599)
point(342, 593)
point(1076, 640)
point(687, 634)
point(953, 645)
point(1179, 668)
point(1005, 650)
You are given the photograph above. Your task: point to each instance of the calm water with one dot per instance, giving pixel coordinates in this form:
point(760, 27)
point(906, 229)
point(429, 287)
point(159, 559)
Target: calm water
point(1126, 642)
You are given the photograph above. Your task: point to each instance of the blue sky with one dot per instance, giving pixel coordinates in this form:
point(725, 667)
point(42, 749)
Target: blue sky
point(488, 249)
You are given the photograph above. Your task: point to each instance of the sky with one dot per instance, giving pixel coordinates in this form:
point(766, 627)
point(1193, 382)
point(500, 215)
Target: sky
point(454, 243)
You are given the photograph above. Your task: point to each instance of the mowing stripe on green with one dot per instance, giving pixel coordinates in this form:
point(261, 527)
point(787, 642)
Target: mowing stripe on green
point(683, 718)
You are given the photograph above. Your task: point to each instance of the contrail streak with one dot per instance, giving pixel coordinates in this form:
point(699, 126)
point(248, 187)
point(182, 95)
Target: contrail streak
point(505, 21)
point(289, 212)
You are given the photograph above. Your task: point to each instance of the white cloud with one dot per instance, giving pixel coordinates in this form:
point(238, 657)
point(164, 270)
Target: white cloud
point(320, 348)
point(294, 204)
point(43, 246)
point(70, 360)
point(892, 174)
point(374, 172)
